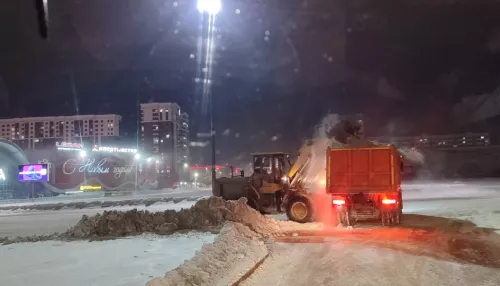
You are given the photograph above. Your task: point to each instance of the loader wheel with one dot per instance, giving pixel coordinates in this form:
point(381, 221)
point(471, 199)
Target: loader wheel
point(299, 209)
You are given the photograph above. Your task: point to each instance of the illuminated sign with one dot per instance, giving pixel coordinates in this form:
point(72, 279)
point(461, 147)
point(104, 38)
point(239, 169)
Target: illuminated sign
point(96, 148)
point(67, 146)
point(33, 172)
point(2, 175)
point(118, 171)
point(90, 188)
point(91, 166)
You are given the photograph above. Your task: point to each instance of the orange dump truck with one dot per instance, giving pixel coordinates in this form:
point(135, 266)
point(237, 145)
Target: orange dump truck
point(365, 184)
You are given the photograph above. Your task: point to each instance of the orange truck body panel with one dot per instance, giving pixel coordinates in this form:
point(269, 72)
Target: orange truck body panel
point(367, 170)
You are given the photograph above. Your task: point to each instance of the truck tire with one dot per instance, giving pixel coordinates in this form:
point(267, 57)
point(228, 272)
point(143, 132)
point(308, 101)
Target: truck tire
point(299, 209)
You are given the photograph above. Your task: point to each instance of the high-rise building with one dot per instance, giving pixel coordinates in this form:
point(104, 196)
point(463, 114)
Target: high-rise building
point(165, 135)
point(34, 132)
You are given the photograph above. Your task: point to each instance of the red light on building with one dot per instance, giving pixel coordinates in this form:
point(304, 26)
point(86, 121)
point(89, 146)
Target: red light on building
point(217, 167)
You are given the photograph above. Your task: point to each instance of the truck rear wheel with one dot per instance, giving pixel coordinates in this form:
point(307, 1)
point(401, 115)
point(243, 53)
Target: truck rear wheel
point(299, 209)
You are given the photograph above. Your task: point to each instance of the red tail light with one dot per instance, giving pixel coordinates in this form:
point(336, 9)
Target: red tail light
point(339, 202)
point(388, 201)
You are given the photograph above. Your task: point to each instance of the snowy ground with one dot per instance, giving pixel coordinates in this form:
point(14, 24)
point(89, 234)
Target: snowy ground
point(27, 223)
point(423, 190)
point(450, 236)
point(122, 262)
point(99, 196)
point(430, 249)
point(343, 263)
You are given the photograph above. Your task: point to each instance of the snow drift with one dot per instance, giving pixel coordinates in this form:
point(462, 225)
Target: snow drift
point(206, 214)
point(234, 253)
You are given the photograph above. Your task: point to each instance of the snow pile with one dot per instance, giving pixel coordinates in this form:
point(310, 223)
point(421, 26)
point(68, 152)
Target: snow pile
point(235, 252)
point(204, 215)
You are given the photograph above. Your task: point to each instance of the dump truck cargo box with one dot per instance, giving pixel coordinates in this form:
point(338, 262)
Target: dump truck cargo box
point(366, 170)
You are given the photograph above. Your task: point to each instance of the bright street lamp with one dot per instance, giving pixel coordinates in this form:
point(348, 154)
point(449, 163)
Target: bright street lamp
point(210, 6)
point(83, 154)
point(148, 159)
point(137, 156)
point(186, 165)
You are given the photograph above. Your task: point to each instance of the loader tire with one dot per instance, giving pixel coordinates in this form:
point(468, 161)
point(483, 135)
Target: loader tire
point(299, 209)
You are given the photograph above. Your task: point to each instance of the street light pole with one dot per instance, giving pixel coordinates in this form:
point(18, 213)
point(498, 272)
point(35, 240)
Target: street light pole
point(212, 135)
point(211, 7)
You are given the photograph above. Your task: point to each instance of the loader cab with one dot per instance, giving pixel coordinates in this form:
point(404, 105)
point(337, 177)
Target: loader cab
point(271, 166)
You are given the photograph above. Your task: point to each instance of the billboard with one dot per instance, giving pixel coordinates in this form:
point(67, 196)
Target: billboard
point(33, 173)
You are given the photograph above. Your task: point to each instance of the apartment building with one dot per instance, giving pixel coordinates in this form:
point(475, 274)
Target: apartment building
point(34, 132)
point(165, 135)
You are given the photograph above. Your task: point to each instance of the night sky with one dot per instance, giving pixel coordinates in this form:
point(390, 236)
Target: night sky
point(279, 66)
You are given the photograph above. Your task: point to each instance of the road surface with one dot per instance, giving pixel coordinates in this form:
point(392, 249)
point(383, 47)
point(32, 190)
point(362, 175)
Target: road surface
point(100, 196)
point(452, 241)
point(450, 236)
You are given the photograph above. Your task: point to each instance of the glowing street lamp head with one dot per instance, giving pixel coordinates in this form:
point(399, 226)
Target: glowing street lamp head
point(209, 6)
point(137, 156)
point(83, 154)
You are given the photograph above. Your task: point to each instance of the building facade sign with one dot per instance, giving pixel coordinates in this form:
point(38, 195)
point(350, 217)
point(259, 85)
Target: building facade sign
point(89, 166)
point(67, 146)
point(96, 148)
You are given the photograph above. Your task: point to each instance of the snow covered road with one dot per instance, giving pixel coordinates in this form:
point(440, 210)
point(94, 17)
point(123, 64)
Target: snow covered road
point(341, 262)
point(122, 262)
point(450, 236)
point(449, 229)
point(100, 196)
